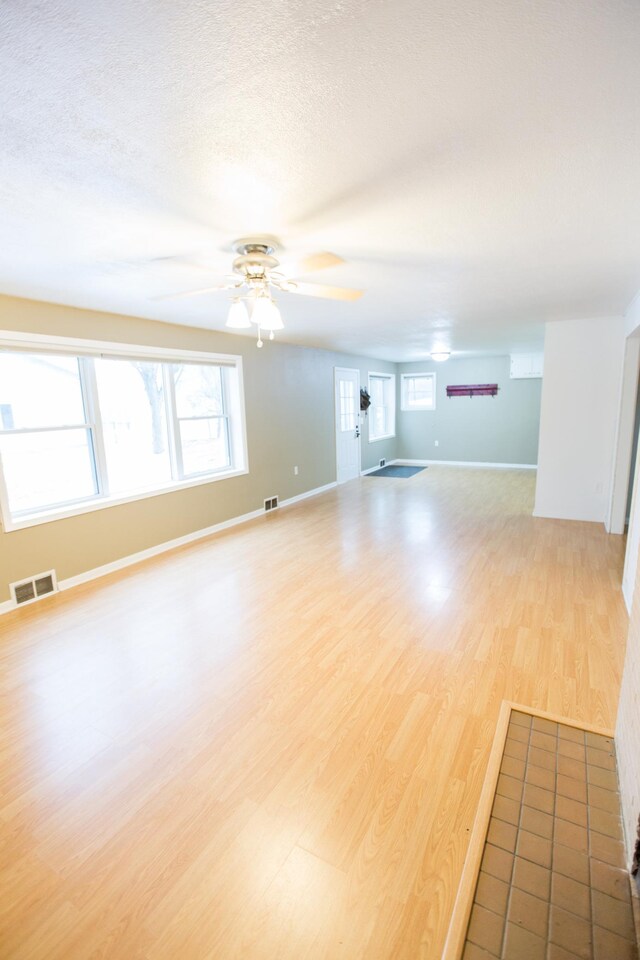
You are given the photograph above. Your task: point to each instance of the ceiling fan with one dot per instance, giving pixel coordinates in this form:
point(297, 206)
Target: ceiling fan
point(256, 273)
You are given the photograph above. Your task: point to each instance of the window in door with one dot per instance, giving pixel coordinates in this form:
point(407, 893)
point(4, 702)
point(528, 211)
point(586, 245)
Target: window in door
point(347, 406)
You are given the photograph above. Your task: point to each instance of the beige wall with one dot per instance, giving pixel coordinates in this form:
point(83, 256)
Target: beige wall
point(289, 410)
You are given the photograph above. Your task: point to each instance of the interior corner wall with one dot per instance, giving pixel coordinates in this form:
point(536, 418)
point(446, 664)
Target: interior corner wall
point(583, 364)
point(289, 403)
point(502, 429)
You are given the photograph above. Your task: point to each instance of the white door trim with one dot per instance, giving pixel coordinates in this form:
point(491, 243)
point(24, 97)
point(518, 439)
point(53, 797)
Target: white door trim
point(633, 538)
point(617, 513)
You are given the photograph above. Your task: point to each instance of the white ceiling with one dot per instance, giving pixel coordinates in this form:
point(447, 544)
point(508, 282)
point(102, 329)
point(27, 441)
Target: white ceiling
point(476, 163)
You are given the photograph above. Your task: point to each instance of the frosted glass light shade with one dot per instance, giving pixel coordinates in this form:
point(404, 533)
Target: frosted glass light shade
point(266, 315)
point(238, 317)
point(440, 355)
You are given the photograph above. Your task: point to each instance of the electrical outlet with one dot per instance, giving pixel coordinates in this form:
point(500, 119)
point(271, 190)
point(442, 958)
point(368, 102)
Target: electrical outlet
point(295, 471)
point(436, 443)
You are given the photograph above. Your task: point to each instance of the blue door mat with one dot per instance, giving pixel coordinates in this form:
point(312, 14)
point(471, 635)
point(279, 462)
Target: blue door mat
point(395, 470)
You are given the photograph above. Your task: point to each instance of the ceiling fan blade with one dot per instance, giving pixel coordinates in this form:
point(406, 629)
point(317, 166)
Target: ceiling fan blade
point(159, 263)
point(188, 263)
point(195, 293)
point(330, 293)
point(315, 261)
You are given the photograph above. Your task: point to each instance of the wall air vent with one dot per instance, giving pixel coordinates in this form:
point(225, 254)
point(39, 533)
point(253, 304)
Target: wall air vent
point(270, 504)
point(27, 591)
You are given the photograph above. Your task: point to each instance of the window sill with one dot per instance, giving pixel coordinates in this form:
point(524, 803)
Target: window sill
point(387, 436)
point(89, 506)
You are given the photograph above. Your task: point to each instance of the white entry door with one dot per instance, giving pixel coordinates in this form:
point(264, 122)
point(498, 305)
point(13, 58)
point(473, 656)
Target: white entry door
point(347, 392)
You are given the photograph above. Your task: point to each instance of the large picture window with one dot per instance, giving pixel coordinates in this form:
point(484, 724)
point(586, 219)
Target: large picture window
point(79, 431)
point(382, 413)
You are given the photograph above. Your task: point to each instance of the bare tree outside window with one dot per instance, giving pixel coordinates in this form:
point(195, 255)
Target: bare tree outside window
point(151, 374)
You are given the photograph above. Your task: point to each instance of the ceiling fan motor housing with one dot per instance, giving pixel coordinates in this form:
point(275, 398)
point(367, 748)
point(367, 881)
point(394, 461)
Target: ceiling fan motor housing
point(255, 258)
point(254, 265)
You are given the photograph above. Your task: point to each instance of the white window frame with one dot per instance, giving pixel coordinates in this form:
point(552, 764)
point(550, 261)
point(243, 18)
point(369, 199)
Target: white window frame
point(391, 380)
point(237, 432)
point(424, 408)
point(175, 420)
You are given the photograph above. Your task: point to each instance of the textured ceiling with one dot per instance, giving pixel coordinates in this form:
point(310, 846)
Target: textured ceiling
point(476, 163)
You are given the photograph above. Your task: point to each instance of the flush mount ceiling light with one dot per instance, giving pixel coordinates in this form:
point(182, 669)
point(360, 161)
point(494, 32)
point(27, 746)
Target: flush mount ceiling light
point(440, 355)
point(256, 273)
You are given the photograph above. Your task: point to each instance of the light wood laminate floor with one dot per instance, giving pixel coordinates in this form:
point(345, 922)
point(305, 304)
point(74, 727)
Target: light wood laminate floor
point(271, 744)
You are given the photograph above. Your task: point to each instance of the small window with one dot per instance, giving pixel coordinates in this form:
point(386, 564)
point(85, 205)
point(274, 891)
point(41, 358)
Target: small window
point(382, 412)
point(418, 391)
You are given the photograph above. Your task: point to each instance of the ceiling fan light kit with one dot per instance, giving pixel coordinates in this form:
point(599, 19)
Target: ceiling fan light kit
point(265, 314)
point(238, 318)
point(255, 274)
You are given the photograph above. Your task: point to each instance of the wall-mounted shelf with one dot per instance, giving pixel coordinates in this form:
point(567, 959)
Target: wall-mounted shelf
point(473, 390)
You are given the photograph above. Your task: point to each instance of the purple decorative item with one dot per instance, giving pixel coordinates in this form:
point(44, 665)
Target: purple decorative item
point(473, 390)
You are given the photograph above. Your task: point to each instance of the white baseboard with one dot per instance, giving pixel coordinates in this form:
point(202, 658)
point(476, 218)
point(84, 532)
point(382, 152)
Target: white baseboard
point(628, 597)
point(577, 518)
point(69, 582)
point(308, 493)
point(467, 463)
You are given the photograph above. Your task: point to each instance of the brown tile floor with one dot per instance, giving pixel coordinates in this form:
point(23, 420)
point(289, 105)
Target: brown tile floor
point(552, 882)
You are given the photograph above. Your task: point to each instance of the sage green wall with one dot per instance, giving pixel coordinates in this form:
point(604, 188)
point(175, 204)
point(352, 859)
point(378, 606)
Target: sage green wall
point(502, 429)
point(290, 421)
